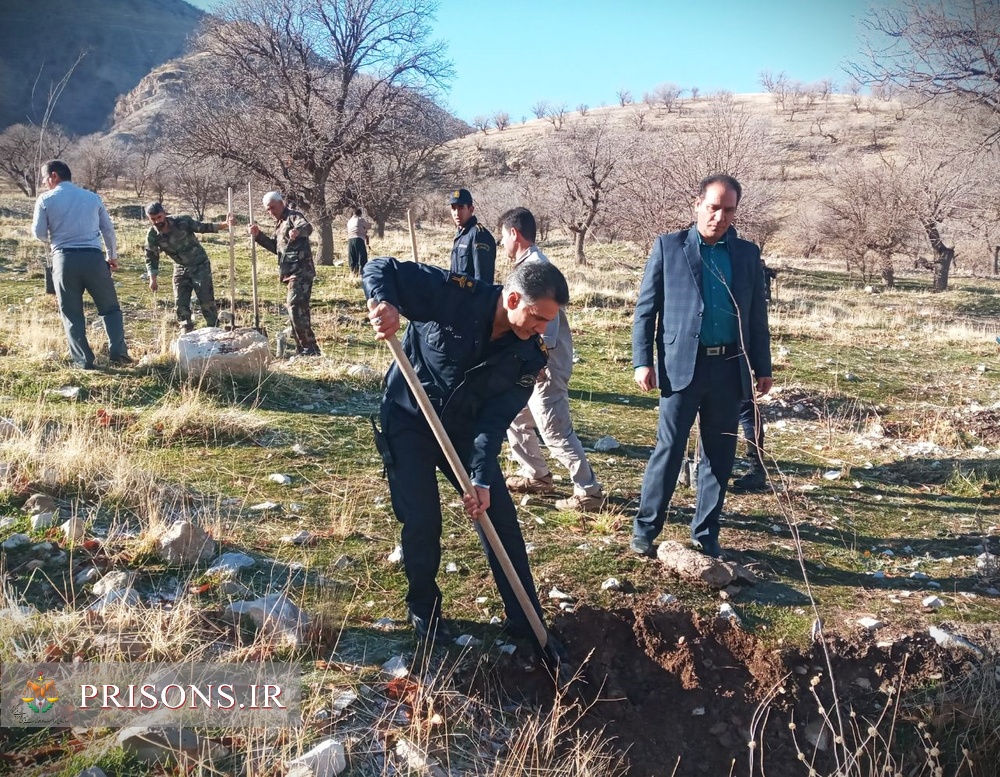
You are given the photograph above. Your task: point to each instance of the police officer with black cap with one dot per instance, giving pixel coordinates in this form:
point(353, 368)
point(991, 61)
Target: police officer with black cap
point(475, 348)
point(475, 249)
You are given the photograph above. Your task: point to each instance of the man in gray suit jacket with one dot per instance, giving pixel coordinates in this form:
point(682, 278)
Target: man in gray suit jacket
point(702, 304)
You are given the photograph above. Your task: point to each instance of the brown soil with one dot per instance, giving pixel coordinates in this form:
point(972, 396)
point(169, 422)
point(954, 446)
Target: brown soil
point(681, 694)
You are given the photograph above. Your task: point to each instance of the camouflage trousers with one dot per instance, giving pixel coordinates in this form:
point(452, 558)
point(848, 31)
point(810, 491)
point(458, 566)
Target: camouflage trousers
point(299, 296)
point(197, 279)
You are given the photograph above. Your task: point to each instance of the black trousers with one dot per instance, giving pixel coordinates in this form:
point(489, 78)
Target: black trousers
point(416, 501)
point(357, 254)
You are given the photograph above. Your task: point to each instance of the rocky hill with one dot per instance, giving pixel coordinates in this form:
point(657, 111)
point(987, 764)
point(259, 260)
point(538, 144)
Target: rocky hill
point(123, 39)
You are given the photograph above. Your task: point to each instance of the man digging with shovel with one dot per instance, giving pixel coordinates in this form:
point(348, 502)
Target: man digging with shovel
point(467, 365)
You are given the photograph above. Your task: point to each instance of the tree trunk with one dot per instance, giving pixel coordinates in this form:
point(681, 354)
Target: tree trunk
point(379, 228)
point(943, 256)
point(888, 272)
point(579, 236)
point(325, 223)
point(996, 260)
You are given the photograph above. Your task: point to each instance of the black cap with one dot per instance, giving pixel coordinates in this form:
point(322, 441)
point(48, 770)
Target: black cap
point(154, 208)
point(460, 197)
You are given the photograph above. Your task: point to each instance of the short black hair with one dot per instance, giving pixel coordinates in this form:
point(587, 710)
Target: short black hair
point(521, 220)
point(357, 211)
point(58, 167)
point(726, 180)
point(154, 209)
point(536, 279)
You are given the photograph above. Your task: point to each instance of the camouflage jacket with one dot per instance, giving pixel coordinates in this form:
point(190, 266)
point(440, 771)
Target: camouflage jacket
point(293, 255)
point(180, 243)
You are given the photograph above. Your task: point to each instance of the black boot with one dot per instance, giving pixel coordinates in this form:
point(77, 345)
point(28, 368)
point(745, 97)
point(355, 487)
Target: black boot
point(754, 480)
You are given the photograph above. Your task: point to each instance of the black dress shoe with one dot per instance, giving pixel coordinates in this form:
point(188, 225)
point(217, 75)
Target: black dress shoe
point(122, 361)
point(709, 547)
point(433, 629)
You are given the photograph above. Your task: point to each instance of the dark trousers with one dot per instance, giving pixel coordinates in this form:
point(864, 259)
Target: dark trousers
point(753, 431)
point(73, 272)
point(714, 396)
point(357, 254)
point(416, 500)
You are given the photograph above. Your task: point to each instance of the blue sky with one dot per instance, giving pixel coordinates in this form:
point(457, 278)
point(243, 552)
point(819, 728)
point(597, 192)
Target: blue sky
point(510, 54)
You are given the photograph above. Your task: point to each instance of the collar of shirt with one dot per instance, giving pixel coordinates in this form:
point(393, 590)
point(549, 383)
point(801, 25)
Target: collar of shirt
point(527, 253)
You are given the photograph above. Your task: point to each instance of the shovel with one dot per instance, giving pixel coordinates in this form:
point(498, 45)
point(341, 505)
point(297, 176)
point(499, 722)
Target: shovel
point(232, 265)
point(550, 650)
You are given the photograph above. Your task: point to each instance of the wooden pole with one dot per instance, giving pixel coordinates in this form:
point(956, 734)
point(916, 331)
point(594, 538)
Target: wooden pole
point(253, 261)
point(413, 233)
point(232, 262)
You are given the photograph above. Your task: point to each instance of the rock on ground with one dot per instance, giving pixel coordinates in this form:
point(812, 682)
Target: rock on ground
point(692, 565)
point(274, 614)
point(324, 760)
point(185, 543)
point(167, 745)
point(212, 350)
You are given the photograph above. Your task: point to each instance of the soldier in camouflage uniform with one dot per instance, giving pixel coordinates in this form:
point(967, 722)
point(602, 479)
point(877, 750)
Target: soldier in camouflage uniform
point(295, 267)
point(175, 237)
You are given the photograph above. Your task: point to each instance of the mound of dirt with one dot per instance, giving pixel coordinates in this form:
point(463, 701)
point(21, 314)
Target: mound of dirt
point(685, 695)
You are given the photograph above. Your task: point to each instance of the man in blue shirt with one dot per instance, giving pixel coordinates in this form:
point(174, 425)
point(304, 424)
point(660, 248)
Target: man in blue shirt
point(701, 304)
point(73, 221)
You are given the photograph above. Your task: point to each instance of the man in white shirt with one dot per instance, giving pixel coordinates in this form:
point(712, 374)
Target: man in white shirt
point(73, 221)
point(357, 242)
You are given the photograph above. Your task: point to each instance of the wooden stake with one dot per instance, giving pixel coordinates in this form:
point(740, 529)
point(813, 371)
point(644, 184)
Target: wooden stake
point(413, 233)
point(253, 261)
point(232, 262)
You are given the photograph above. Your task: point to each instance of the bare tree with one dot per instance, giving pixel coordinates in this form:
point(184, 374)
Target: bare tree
point(540, 109)
point(624, 97)
point(853, 89)
point(198, 186)
point(665, 95)
point(638, 116)
point(582, 109)
point(481, 123)
point(97, 161)
point(557, 115)
point(502, 120)
point(937, 49)
point(695, 91)
point(20, 151)
point(290, 90)
point(866, 217)
point(583, 169)
point(142, 164)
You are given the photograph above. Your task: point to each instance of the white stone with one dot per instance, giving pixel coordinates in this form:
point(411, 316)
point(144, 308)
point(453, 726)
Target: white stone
point(75, 529)
point(384, 624)
point(418, 760)
point(300, 450)
point(465, 640)
point(164, 744)
point(948, 640)
point(15, 541)
point(933, 584)
point(664, 599)
point(555, 593)
point(66, 392)
point(6, 523)
point(93, 771)
point(264, 507)
point(611, 584)
point(396, 667)
point(281, 480)
point(85, 576)
point(41, 521)
point(211, 350)
point(324, 760)
point(832, 474)
point(301, 538)
point(40, 503)
point(112, 581)
point(451, 567)
point(726, 611)
point(933, 602)
point(396, 557)
point(870, 623)
point(878, 574)
point(275, 614)
point(567, 606)
point(185, 543)
point(607, 443)
point(118, 597)
point(230, 563)
point(919, 575)
point(698, 712)
point(363, 371)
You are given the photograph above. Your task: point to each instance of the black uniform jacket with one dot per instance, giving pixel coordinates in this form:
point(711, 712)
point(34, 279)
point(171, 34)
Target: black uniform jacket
point(477, 386)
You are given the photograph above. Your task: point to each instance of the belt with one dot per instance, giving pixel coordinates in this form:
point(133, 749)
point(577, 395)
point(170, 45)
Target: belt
point(717, 350)
point(74, 250)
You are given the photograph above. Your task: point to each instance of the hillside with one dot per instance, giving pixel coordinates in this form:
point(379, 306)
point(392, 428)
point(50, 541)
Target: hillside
point(40, 41)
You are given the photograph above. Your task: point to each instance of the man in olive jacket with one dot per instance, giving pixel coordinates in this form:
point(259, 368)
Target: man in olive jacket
point(295, 267)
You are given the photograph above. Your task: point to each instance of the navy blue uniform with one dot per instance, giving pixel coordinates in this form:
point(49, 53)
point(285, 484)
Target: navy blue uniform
point(474, 251)
point(477, 387)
